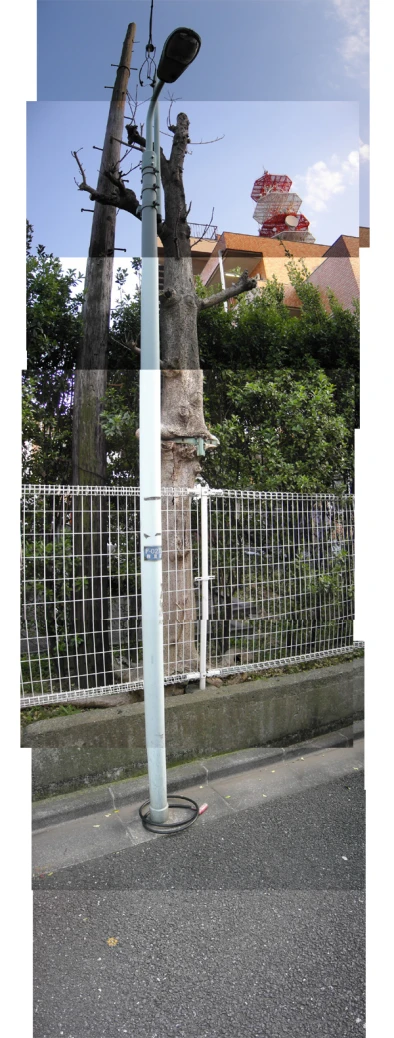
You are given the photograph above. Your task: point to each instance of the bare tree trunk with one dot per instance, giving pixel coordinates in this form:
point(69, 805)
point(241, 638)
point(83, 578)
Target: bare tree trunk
point(179, 469)
point(182, 416)
point(178, 316)
point(89, 448)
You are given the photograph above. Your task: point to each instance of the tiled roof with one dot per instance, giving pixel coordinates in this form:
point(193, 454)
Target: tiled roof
point(345, 245)
point(364, 237)
point(267, 246)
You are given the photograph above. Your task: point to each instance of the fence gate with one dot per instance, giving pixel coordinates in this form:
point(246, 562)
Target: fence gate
point(250, 580)
point(280, 574)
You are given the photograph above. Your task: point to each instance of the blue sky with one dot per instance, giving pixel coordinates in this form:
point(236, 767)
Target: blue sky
point(251, 49)
point(261, 63)
point(315, 143)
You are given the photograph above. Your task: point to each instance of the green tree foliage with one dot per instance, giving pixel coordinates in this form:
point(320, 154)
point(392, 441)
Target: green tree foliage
point(278, 431)
point(46, 427)
point(120, 423)
point(279, 390)
point(125, 324)
point(53, 311)
point(260, 333)
point(53, 335)
point(282, 430)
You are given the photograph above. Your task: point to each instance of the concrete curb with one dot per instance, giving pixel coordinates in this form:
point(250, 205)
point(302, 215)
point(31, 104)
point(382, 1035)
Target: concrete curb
point(102, 746)
point(69, 806)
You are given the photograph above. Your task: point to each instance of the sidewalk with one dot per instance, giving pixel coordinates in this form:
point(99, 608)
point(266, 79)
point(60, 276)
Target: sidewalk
point(76, 828)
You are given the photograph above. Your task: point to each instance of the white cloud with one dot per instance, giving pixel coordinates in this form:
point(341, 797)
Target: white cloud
point(324, 180)
point(364, 151)
point(321, 183)
point(354, 45)
point(350, 167)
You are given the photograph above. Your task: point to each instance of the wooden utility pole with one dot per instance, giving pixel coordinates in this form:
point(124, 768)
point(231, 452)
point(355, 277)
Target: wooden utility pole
point(89, 450)
point(92, 653)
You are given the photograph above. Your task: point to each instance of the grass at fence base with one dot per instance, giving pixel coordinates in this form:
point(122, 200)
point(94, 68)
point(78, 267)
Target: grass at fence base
point(43, 713)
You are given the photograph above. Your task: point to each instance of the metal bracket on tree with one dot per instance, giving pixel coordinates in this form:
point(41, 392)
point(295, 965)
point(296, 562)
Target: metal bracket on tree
point(199, 442)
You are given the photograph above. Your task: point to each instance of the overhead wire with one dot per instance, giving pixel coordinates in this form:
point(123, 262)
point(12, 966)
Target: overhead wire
point(150, 51)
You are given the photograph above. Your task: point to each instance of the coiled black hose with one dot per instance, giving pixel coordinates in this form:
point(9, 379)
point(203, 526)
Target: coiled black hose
point(169, 828)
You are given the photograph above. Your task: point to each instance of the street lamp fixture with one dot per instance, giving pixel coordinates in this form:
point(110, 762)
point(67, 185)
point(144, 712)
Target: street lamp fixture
point(180, 49)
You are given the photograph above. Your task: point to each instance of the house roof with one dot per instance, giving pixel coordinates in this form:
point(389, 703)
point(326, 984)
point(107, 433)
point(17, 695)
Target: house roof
point(345, 245)
point(248, 250)
point(267, 246)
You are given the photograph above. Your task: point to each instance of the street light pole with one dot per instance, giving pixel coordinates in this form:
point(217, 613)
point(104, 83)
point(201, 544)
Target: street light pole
point(150, 480)
point(179, 51)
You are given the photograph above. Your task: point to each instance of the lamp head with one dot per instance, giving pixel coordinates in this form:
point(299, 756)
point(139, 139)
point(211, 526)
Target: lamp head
point(180, 49)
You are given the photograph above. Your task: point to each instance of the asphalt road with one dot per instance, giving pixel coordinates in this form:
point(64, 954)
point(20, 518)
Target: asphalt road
point(250, 925)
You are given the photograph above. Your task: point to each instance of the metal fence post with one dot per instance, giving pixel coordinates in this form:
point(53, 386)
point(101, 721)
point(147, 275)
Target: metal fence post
point(203, 495)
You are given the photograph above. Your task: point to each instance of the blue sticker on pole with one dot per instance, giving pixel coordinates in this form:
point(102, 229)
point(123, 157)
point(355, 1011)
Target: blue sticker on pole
point(152, 554)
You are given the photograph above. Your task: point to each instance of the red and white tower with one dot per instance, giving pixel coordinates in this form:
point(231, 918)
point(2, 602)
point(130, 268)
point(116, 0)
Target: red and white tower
point(277, 209)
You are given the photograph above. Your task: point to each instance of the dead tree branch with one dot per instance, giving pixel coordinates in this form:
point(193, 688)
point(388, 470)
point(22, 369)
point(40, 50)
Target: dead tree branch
point(206, 228)
point(172, 101)
point(124, 198)
point(134, 103)
point(213, 141)
point(79, 163)
point(245, 284)
point(131, 346)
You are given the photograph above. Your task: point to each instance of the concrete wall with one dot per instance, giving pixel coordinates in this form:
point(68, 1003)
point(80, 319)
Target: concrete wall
point(102, 745)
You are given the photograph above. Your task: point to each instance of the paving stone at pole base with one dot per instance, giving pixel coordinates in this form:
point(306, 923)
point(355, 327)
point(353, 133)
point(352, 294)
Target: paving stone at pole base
point(96, 746)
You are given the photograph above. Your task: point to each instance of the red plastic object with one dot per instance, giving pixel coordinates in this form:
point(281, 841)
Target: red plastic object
point(202, 809)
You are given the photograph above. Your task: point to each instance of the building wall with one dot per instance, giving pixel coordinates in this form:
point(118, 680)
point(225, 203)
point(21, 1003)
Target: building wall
point(336, 267)
point(276, 266)
point(267, 250)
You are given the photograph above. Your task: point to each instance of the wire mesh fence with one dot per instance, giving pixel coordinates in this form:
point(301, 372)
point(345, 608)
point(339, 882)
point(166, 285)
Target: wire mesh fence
point(282, 584)
point(81, 629)
point(265, 578)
